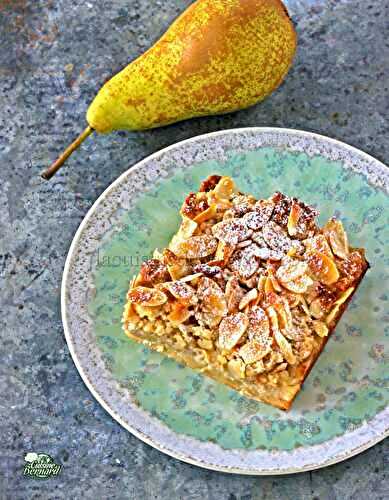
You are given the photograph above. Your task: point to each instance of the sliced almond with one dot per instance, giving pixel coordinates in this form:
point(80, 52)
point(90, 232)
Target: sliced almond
point(299, 285)
point(177, 266)
point(231, 330)
point(179, 313)
point(236, 368)
point(212, 306)
point(277, 287)
point(253, 351)
point(191, 277)
point(269, 288)
point(260, 216)
point(319, 243)
point(147, 297)
point(291, 269)
point(259, 326)
point(323, 268)
point(335, 233)
point(180, 290)
point(293, 299)
point(337, 304)
point(248, 298)
point(320, 328)
point(276, 238)
point(208, 214)
point(231, 231)
point(316, 309)
point(244, 261)
point(197, 247)
point(293, 218)
point(234, 294)
point(224, 252)
point(225, 188)
point(283, 344)
point(187, 228)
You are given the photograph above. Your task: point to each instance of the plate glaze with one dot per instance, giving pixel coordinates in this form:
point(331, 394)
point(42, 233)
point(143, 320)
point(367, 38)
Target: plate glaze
point(343, 407)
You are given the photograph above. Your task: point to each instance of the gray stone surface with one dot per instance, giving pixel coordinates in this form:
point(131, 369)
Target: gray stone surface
point(54, 55)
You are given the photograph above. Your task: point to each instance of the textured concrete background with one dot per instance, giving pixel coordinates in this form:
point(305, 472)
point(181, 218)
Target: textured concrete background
point(54, 55)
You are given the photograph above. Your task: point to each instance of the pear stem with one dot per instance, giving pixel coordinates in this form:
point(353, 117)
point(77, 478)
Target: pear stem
point(54, 167)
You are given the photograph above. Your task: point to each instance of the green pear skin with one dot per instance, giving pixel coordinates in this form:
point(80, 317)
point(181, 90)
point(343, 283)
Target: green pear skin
point(219, 56)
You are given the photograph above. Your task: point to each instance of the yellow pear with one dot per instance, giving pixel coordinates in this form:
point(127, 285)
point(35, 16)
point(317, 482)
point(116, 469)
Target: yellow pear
point(217, 57)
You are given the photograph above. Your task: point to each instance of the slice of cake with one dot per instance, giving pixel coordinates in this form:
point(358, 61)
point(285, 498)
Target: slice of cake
point(247, 292)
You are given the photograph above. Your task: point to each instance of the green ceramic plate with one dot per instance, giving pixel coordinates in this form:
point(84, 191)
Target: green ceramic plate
point(343, 407)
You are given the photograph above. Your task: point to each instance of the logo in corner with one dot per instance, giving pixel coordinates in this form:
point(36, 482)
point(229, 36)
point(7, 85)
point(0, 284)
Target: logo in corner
point(40, 466)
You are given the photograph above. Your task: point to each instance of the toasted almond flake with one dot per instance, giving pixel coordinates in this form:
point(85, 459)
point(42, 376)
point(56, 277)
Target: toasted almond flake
point(187, 228)
point(293, 218)
point(147, 297)
point(179, 313)
point(276, 238)
point(320, 328)
point(197, 247)
point(299, 285)
point(334, 312)
point(231, 231)
point(260, 216)
point(234, 294)
point(338, 303)
point(261, 283)
point(283, 344)
point(291, 269)
point(236, 368)
point(274, 281)
point(224, 252)
point(180, 290)
point(225, 188)
point(212, 306)
point(244, 244)
point(190, 277)
point(337, 237)
point(287, 313)
point(265, 253)
point(345, 295)
point(269, 288)
point(253, 351)
point(319, 243)
point(315, 309)
point(304, 306)
point(259, 326)
point(209, 213)
point(222, 360)
point(248, 298)
point(323, 268)
point(279, 368)
point(244, 261)
point(231, 330)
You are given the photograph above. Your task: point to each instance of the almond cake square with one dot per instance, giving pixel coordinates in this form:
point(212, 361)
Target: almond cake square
point(247, 292)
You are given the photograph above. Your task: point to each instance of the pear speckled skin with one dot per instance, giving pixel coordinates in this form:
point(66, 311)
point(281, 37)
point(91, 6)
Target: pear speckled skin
point(217, 57)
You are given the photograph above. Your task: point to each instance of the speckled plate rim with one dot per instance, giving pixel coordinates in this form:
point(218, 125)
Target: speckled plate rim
point(117, 401)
